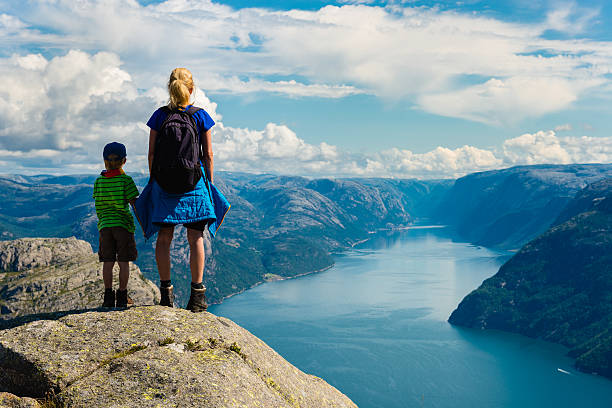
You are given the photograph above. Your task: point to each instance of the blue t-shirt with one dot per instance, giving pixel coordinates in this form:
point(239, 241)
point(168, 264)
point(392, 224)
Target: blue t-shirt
point(202, 119)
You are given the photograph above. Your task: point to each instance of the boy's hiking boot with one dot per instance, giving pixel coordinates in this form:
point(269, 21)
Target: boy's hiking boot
point(197, 300)
point(123, 300)
point(109, 298)
point(167, 296)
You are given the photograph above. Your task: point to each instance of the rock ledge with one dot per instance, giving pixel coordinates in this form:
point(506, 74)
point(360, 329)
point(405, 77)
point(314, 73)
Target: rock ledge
point(153, 356)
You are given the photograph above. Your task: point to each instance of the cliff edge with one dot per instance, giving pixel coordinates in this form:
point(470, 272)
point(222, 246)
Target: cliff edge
point(44, 275)
point(153, 356)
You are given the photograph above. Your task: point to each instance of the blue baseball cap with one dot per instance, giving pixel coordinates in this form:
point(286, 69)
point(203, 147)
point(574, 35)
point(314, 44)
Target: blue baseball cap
point(114, 148)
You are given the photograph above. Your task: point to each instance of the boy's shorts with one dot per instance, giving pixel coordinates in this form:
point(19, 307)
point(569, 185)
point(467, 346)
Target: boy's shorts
point(117, 244)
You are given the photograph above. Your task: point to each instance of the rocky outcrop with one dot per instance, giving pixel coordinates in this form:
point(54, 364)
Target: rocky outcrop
point(150, 357)
point(8, 400)
point(43, 275)
point(558, 287)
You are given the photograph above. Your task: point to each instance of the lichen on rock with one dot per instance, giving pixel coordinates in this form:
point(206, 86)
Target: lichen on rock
point(154, 356)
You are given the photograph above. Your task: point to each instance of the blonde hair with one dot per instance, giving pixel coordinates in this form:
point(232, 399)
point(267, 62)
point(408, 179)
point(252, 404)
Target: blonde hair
point(179, 85)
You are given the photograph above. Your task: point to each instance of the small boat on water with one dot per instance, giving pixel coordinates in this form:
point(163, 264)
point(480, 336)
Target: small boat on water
point(563, 371)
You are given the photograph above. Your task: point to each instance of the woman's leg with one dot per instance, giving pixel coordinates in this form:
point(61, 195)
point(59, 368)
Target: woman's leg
point(196, 254)
point(197, 300)
point(162, 252)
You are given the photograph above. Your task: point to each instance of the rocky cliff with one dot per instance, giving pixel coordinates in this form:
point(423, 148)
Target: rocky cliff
point(558, 287)
point(152, 357)
point(42, 275)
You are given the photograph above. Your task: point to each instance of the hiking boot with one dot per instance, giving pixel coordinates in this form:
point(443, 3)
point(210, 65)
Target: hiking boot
point(123, 300)
point(167, 296)
point(109, 298)
point(197, 300)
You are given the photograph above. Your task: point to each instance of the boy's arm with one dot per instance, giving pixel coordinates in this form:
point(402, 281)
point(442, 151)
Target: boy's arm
point(131, 192)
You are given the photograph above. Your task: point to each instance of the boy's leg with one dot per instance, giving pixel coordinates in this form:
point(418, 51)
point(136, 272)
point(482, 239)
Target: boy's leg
point(107, 274)
point(126, 252)
point(107, 254)
point(124, 275)
point(162, 251)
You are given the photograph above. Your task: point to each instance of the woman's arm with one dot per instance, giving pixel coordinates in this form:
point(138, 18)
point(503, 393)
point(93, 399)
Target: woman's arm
point(152, 136)
point(208, 154)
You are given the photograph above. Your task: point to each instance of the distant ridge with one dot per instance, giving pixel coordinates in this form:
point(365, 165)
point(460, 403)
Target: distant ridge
point(509, 207)
point(279, 226)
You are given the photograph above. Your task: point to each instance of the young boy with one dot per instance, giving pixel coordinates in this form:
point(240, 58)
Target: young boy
point(113, 190)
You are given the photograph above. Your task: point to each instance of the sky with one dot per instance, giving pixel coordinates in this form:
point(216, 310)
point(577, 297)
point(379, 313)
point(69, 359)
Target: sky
point(365, 88)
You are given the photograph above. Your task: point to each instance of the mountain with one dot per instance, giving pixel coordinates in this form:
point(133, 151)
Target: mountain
point(39, 276)
point(278, 226)
point(152, 356)
point(558, 287)
point(507, 208)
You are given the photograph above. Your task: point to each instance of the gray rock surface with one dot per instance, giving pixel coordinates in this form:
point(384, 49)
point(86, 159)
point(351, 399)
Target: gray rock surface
point(43, 275)
point(29, 253)
point(8, 400)
point(154, 357)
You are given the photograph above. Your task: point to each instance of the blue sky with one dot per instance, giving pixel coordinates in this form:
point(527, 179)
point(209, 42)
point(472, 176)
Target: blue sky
point(422, 89)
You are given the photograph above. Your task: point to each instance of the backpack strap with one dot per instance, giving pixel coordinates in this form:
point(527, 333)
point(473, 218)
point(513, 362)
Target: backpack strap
point(192, 110)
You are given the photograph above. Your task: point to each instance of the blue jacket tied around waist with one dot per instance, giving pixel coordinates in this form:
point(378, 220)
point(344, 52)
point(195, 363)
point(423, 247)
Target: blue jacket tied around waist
point(205, 202)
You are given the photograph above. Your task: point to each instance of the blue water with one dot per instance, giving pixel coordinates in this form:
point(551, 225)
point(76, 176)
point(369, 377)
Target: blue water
point(374, 326)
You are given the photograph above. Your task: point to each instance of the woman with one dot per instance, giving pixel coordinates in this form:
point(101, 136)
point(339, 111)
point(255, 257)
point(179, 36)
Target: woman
point(193, 208)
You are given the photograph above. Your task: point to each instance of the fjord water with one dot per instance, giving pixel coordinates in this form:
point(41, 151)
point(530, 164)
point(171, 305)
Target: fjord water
point(374, 326)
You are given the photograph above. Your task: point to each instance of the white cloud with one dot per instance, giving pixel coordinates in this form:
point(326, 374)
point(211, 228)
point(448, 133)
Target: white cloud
point(234, 85)
point(66, 108)
point(499, 102)
point(571, 18)
point(277, 149)
point(540, 147)
point(546, 147)
point(445, 62)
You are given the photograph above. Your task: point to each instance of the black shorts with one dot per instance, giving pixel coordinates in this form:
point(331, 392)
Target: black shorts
point(117, 244)
point(198, 225)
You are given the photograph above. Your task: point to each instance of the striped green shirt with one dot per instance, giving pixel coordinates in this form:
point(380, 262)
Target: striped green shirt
point(112, 195)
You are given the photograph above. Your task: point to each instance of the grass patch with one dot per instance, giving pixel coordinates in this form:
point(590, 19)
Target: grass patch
point(133, 349)
point(195, 345)
point(235, 348)
point(165, 342)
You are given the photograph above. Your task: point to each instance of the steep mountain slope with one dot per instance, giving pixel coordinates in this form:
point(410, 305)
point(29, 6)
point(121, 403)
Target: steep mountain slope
point(507, 208)
point(278, 226)
point(558, 287)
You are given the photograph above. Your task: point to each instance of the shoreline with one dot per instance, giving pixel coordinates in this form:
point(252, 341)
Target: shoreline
point(351, 246)
point(281, 278)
